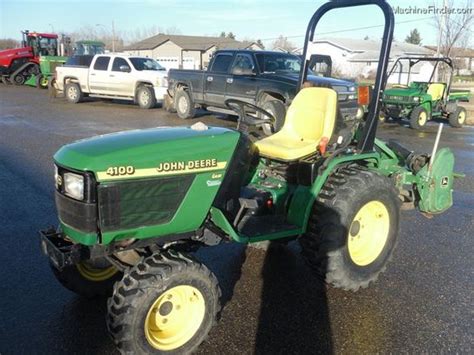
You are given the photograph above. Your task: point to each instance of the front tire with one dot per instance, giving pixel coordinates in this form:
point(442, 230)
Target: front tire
point(165, 304)
point(418, 117)
point(41, 81)
point(89, 279)
point(278, 110)
point(353, 228)
point(184, 104)
point(73, 93)
point(146, 97)
point(458, 117)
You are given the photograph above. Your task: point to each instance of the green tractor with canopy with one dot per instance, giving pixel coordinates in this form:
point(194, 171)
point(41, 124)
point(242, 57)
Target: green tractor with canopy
point(420, 101)
point(134, 206)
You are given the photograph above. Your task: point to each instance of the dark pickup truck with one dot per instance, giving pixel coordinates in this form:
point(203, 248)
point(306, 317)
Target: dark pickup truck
point(263, 78)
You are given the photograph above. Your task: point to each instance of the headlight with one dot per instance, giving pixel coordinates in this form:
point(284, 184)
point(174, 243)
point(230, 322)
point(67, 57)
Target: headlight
point(352, 88)
point(351, 97)
point(74, 186)
point(416, 99)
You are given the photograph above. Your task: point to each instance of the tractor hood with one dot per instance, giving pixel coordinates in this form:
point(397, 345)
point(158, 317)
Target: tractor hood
point(139, 153)
point(402, 92)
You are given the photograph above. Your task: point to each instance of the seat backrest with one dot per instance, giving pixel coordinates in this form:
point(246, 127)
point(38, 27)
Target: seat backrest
point(436, 90)
point(312, 114)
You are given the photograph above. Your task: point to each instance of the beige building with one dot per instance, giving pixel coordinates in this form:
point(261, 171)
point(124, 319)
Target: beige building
point(187, 52)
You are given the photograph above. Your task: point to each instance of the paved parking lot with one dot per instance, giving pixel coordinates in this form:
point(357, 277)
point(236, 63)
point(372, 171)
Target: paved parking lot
point(423, 303)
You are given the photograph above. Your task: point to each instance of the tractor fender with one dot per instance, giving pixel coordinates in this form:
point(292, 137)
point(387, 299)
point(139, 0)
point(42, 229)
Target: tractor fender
point(304, 196)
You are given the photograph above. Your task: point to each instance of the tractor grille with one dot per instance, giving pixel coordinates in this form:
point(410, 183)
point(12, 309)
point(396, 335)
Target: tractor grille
point(131, 204)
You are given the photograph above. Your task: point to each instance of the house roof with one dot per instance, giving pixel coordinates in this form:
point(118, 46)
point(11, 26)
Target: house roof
point(197, 43)
point(458, 51)
point(362, 45)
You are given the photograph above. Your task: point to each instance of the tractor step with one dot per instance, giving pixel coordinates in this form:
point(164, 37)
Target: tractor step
point(255, 226)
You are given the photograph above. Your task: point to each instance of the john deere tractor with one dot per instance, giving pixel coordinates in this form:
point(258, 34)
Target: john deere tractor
point(420, 101)
point(134, 205)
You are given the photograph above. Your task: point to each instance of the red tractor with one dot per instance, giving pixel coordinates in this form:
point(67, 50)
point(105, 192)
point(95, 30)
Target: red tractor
point(18, 64)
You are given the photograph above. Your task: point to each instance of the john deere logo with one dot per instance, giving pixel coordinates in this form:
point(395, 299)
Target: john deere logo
point(444, 181)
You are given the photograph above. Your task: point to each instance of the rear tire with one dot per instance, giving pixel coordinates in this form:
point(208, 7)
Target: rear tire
point(146, 97)
point(73, 93)
point(458, 117)
point(184, 104)
point(418, 117)
point(88, 280)
point(353, 228)
point(165, 304)
point(278, 109)
point(18, 79)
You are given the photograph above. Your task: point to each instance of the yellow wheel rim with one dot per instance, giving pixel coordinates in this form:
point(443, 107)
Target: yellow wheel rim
point(461, 117)
point(174, 317)
point(96, 274)
point(368, 233)
point(422, 118)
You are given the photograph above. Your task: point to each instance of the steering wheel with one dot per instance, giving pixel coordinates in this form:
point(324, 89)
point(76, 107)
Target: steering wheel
point(240, 106)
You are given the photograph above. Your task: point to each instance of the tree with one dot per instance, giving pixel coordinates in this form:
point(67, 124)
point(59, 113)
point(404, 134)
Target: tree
point(8, 43)
point(414, 37)
point(454, 27)
point(283, 43)
point(260, 43)
point(366, 38)
point(222, 34)
point(230, 35)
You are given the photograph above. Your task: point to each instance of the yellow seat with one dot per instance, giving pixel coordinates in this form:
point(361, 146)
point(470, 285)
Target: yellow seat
point(310, 117)
point(436, 91)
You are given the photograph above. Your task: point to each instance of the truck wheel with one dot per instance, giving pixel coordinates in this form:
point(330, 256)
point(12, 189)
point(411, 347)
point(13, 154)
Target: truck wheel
point(167, 303)
point(41, 81)
point(458, 117)
point(353, 228)
point(146, 97)
point(73, 93)
point(184, 104)
point(418, 117)
point(278, 110)
point(89, 279)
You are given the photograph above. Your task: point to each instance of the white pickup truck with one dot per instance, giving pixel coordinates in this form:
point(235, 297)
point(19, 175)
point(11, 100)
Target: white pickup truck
point(114, 76)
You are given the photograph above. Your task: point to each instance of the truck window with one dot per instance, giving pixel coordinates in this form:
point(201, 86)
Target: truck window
point(101, 63)
point(221, 63)
point(118, 62)
point(242, 63)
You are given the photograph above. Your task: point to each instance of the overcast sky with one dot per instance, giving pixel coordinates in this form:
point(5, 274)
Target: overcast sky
point(264, 19)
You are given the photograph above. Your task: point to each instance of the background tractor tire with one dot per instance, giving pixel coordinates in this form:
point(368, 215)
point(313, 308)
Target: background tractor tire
point(88, 280)
point(146, 97)
point(458, 117)
point(73, 93)
point(184, 104)
point(165, 304)
point(6, 80)
point(353, 228)
point(278, 109)
point(41, 81)
point(18, 79)
point(418, 117)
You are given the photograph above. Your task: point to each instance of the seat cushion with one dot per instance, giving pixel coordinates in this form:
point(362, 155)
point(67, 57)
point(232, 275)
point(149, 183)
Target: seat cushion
point(283, 147)
point(436, 91)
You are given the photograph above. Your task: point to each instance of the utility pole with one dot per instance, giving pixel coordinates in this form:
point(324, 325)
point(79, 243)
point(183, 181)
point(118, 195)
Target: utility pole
point(113, 36)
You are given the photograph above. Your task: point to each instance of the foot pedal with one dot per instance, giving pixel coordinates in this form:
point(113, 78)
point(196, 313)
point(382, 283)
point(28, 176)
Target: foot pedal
point(245, 204)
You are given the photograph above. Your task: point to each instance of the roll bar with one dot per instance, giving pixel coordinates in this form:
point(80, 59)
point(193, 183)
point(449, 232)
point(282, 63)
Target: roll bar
point(366, 141)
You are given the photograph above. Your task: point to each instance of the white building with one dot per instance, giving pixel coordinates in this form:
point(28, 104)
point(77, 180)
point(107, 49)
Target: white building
point(353, 58)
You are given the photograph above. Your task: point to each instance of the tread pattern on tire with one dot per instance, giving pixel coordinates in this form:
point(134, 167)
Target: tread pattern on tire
point(153, 270)
point(319, 243)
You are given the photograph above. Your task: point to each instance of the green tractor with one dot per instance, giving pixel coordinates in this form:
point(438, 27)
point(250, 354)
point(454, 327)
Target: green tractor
point(421, 101)
point(48, 63)
point(133, 205)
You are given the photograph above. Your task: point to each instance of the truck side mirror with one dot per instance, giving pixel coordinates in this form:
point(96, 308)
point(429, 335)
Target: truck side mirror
point(125, 69)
